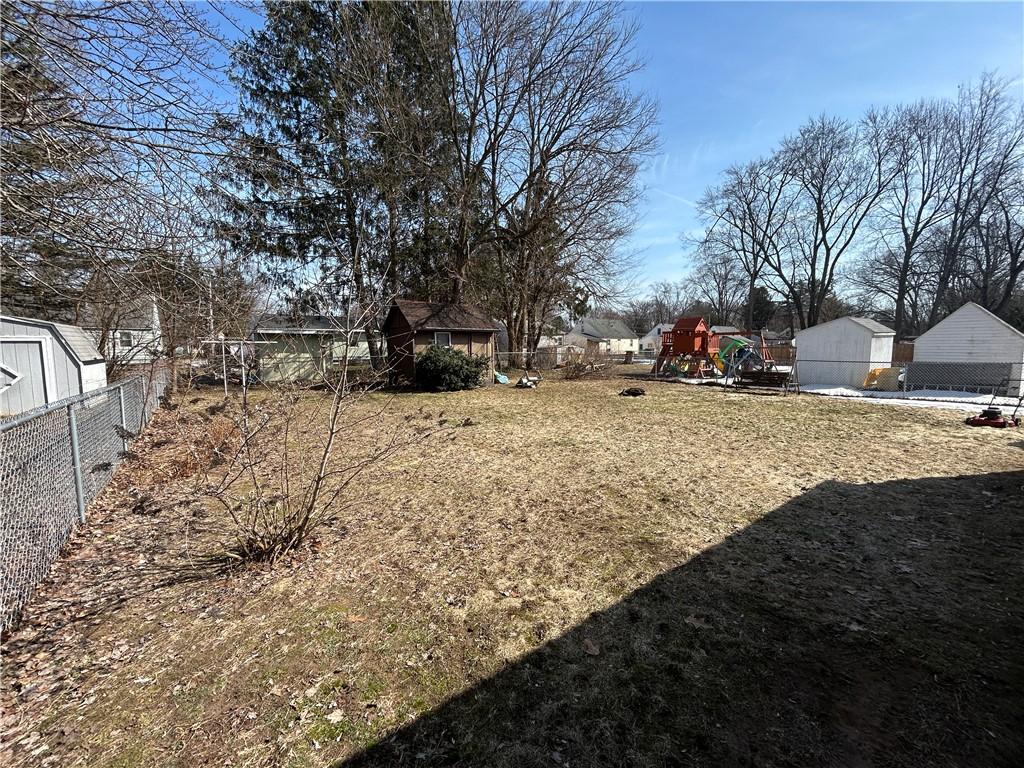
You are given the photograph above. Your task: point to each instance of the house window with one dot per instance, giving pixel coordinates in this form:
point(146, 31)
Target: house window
point(442, 339)
point(124, 339)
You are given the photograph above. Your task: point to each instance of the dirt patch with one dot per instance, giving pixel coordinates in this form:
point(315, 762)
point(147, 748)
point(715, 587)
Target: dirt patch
point(694, 577)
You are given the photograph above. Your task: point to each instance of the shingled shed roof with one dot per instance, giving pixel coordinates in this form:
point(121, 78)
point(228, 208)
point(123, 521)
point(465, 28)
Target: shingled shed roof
point(72, 337)
point(434, 316)
point(872, 325)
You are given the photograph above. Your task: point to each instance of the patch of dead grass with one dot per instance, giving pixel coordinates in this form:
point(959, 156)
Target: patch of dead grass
point(460, 559)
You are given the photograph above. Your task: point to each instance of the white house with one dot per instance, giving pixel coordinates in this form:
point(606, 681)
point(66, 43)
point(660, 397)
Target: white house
point(128, 334)
point(843, 351)
point(43, 362)
point(611, 337)
point(651, 341)
point(986, 349)
point(550, 341)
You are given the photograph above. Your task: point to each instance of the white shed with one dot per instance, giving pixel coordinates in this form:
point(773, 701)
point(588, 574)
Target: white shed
point(843, 351)
point(43, 362)
point(988, 350)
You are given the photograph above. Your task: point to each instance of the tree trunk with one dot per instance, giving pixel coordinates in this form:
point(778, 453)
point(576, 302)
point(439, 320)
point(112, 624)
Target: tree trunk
point(174, 373)
point(750, 302)
point(391, 273)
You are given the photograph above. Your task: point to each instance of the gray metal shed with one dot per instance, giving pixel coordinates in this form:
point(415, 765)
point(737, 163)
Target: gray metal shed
point(43, 362)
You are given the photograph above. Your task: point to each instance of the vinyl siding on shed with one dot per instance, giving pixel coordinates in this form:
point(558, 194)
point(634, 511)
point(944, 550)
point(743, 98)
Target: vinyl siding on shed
point(94, 376)
point(64, 371)
point(859, 349)
point(289, 358)
point(972, 334)
point(56, 361)
point(26, 358)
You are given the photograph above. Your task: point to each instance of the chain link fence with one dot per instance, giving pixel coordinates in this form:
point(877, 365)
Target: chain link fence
point(549, 358)
point(930, 380)
point(54, 461)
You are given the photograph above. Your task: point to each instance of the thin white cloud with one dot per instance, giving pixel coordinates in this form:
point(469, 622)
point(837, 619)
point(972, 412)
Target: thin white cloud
point(655, 241)
point(677, 198)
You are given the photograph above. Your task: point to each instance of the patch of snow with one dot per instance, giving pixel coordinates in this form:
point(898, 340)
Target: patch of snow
point(923, 398)
point(705, 380)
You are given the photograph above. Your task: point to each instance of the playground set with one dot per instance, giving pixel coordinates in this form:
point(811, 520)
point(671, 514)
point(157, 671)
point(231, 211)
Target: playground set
point(691, 350)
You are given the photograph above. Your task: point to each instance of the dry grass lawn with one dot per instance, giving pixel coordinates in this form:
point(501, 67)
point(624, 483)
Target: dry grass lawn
point(696, 577)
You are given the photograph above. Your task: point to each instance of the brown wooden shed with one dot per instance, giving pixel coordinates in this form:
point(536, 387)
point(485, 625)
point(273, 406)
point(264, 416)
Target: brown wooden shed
point(412, 326)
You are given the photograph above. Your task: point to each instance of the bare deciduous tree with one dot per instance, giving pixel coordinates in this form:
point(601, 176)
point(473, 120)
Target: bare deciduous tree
point(108, 129)
point(987, 136)
point(749, 216)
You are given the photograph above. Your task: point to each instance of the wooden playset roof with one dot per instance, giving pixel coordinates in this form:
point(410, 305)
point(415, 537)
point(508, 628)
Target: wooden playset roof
point(690, 324)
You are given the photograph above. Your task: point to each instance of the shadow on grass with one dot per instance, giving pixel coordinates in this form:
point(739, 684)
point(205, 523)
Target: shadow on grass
point(858, 625)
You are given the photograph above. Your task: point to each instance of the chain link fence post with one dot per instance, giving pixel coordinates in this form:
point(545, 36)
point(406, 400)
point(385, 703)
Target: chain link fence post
point(124, 424)
point(76, 462)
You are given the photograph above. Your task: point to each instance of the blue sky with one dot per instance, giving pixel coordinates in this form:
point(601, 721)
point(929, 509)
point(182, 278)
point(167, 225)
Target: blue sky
point(734, 78)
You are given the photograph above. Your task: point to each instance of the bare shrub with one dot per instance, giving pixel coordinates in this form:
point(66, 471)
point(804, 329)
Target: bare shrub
point(583, 364)
point(289, 458)
point(576, 369)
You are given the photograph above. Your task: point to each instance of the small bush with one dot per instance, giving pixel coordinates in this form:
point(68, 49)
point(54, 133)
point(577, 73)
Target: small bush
point(576, 369)
point(443, 369)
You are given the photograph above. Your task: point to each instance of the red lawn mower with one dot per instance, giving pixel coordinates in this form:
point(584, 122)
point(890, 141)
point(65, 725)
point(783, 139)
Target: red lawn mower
point(993, 416)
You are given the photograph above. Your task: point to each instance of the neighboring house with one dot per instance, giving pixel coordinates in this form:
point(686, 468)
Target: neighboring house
point(306, 347)
point(43, 362)
point(971, 348)
point(412, 326)
point(129, 335)
point(843, 351)
point(651, 341)
point(601, 336)
point(550, 341)
point(725, 330)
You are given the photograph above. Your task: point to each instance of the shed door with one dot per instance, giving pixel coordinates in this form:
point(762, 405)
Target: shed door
point(22, 374)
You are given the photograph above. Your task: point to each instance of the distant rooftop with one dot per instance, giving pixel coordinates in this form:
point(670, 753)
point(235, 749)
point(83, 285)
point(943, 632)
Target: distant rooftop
point(289, 323)
point(604, 328)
